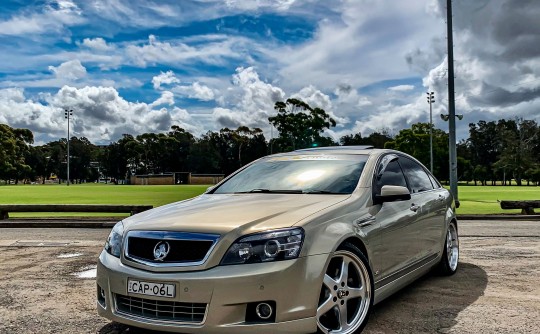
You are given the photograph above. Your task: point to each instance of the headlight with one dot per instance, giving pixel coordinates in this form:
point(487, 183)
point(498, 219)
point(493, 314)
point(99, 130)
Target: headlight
point(113, 245)
point(266, 247)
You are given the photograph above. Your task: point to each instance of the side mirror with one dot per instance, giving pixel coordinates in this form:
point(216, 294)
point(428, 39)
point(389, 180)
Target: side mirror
point(392, 194)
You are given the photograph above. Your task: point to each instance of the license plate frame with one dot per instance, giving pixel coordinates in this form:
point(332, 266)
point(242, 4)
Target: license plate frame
point(154, 289)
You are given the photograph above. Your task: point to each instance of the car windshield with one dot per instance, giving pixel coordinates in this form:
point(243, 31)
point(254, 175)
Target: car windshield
point(308, 174)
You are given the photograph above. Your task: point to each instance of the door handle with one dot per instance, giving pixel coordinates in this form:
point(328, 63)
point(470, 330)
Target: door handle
point(414, 207)
point(364, 222)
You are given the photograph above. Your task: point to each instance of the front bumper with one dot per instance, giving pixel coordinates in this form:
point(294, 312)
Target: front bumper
point(294, 285)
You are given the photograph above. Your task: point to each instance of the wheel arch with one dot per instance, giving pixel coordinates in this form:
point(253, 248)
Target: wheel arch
point(454, 220)
point(358, 243)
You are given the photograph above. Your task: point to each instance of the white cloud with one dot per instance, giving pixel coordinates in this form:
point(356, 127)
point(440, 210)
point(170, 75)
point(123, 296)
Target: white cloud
point(249, 102)
point(98, 44)
point(54, 17)
point(393, 117)
point(164, 78)
point(348, 98)
point(401, 88)
point(165, 98)
point(363, 102)
point(280, 5)
point(176, 52)
point(314, 97)
point(195, 91)
point(100, 113)
point(70, 70)
point(342, 66)
point(367, 42)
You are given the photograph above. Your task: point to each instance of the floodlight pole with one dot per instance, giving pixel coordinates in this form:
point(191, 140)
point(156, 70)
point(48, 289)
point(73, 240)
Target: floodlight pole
point(451, 105)
point(431, 100)
point(68, 114)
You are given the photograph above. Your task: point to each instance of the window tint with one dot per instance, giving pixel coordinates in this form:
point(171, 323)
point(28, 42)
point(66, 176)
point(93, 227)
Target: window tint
point(434, 181)
point(392, 176)
point(418, 179)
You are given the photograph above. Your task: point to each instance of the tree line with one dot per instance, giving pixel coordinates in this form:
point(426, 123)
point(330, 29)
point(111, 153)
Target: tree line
point(494, 153)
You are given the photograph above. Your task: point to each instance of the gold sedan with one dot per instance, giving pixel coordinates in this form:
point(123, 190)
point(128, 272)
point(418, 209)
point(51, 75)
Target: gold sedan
point(298, 242)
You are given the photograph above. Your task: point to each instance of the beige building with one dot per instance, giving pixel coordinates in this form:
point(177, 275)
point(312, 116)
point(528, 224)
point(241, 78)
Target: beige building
point(176, 178)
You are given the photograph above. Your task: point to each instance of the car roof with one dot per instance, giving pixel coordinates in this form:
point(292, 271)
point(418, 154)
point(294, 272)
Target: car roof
point(338, 148)
point(366, 150)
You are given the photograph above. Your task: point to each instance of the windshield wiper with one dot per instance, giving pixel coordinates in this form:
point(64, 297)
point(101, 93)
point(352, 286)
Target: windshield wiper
point(270, 191)
point(315, 191)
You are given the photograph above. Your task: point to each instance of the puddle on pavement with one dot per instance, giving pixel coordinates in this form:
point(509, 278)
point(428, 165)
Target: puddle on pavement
point(38, 244)
point(86, 272)
point(69, 255)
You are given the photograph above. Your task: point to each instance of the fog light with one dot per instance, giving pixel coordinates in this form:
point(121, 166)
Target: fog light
point(264, 311)
point(101, 296)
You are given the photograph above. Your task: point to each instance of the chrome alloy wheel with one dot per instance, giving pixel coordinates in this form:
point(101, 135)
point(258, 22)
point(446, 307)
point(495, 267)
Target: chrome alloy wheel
point(345, 297)
point(452, 247)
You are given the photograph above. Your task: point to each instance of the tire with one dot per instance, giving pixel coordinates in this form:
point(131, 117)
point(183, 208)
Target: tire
point(351, 294)
point(450, 258)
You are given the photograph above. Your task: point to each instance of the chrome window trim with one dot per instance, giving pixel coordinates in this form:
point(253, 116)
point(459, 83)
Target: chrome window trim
point(170, 235)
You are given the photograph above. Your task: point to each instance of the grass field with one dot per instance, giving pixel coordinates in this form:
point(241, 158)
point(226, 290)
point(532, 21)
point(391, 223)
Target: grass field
point(483, 199)
point(474, 199)
point(94, 194)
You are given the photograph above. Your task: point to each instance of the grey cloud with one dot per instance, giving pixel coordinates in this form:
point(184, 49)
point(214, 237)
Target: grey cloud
point(344, 89)
point(227, 121)
point(522, 48)
point(516, 27)
point(515, 20)
point(424, 59)
point(497, 96)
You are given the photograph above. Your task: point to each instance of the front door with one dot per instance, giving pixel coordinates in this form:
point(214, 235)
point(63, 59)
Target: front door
point(396, 222)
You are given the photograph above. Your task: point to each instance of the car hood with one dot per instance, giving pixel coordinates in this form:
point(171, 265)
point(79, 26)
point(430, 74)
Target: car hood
point(223, 213)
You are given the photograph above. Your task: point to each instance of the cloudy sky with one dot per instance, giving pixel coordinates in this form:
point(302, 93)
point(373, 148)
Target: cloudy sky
point(139, 66)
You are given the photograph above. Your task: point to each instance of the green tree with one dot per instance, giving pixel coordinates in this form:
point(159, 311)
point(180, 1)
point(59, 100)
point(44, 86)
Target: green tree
point(204, 156)
point(352, 140)
point(300, 125)
point(83, 154)
point(484, 146)
point(376, 139)
point(36, 158)
point(14, 145)
point(415, 141)
point(178, 148)
point(517, 139)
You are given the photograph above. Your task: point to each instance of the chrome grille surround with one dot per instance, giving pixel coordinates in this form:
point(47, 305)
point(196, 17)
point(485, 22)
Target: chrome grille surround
point(169, 236)
point(162, 311)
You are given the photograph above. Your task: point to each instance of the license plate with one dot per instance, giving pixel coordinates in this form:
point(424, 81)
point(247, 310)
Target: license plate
point(151, 289)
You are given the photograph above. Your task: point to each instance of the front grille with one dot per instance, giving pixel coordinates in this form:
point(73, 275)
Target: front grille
point(160, 310)
point(183, 248)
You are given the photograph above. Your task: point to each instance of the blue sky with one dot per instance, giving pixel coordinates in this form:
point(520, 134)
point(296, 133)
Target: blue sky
point(138, 66)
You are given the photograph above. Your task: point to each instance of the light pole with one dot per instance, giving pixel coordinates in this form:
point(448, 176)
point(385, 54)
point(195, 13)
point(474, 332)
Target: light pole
point(451, 105)
point(430, 100)
point(453, 154)
point(68, 114)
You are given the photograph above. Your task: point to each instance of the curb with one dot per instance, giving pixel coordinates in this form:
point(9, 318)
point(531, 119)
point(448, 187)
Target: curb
point(108, 222)
point(58, 223)
point(499, 217)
